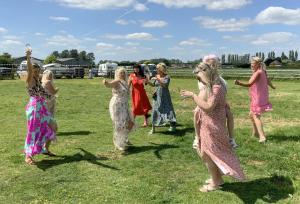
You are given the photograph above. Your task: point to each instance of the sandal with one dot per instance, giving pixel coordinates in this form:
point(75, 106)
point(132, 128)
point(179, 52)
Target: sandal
point(30, 161)
point(208, 188)
point(209, 181)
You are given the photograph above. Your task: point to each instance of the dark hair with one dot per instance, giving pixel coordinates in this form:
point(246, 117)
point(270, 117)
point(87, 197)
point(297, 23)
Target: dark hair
point(141, 72)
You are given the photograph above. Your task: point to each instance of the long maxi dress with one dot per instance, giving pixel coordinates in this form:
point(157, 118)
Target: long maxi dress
point(140, 102)
point(38, 120)
point(214, 140)
point(120, 115)
point(163, 110)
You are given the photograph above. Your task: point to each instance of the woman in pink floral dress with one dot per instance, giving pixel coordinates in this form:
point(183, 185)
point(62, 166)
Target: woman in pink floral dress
point(214, 148)
point(259, 95)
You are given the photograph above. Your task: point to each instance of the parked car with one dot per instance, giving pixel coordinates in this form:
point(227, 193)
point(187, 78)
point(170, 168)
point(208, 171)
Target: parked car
point(6, 72)
point(60, 71)
point(152, 70)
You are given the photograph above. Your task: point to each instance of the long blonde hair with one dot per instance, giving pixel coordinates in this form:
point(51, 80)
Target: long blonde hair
point(47, 76)
point(260, 62)
point(117, 73)
point(210, 77)
point(162, 67)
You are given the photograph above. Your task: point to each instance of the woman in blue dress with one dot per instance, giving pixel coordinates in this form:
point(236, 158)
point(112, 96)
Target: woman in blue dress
point(163, 111)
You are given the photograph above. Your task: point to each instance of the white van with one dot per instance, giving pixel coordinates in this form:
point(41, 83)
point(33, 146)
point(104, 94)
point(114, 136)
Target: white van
point(107, 69)
point(22, 69)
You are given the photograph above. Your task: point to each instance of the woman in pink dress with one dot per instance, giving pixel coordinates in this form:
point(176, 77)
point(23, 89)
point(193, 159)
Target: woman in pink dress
point(259, 96)
point(214, 149)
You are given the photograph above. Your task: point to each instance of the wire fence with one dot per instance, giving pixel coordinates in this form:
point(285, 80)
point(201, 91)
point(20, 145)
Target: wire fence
point(11, 71)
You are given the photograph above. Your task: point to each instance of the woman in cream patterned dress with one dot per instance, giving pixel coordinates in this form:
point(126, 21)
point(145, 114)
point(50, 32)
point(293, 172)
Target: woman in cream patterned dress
point(120, 114)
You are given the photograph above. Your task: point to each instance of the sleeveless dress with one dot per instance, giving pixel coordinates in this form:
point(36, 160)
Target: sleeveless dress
point(140, 102)
point(120, 115)
point(214, 140)
point(259, 94)
point(38, 120)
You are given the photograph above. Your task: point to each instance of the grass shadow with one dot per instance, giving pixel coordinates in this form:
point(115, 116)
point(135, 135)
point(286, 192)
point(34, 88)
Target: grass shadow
point(179, 132)
point(270, 190)
point(78, 157)
point(74, 133)
point(157, 148)
point(282, 138)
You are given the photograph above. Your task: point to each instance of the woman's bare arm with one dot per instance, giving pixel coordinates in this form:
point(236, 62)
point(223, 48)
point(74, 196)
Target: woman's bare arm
point(251, 81)
point(111, 84)
point(29, 77)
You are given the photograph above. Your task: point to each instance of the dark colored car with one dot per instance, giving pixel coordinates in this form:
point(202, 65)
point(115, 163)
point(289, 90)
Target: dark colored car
point(6, 72)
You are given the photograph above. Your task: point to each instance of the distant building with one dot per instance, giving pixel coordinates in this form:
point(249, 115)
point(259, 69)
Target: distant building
point(276, 63)
point(19, 60)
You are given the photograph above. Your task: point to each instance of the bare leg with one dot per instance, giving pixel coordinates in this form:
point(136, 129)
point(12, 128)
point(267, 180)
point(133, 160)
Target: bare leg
point(259, 126)
point(213, 170)
point(145, 120)
point(53, 126)
point(230, 123)
point(254, 128)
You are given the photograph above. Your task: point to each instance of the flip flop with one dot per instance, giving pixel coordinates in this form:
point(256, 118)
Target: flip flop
point(209, 181)
point(208, 188)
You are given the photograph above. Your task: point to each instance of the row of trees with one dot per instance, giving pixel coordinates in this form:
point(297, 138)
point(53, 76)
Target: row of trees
point(79, 56)
point(243, 59)
point(6, 58)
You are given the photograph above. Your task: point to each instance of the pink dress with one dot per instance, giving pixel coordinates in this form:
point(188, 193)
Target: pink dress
point(259, 94)
point(214, 140)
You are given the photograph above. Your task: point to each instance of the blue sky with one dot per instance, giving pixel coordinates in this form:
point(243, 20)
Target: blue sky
point(144, 29)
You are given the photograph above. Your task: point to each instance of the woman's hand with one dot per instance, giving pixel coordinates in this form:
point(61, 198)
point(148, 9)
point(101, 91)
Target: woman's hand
point(237, 82)
point(185, 93)
point(28, 54)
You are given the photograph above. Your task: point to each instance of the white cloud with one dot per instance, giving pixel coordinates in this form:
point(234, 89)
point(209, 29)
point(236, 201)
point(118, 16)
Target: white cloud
point(11, 42)
point(96, 4)
point(3, 30)
point(228, 25)
point(122, 22)
point(154, 24)
point(39, 34)
point(168, 36)
point(140, 7)
point(140, 36)
point(59, 18)
point(12, 37)
point(63, 40)
point(279, 15)
point(274, 38)
point(89, 39)
point(239, 38)
point(132, 43)
point(211, 5)
point(132, 36)
point(102, 45)
point(194, 42)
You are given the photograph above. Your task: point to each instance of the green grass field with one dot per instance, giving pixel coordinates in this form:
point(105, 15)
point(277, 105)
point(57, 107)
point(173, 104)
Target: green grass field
point(162, 168)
